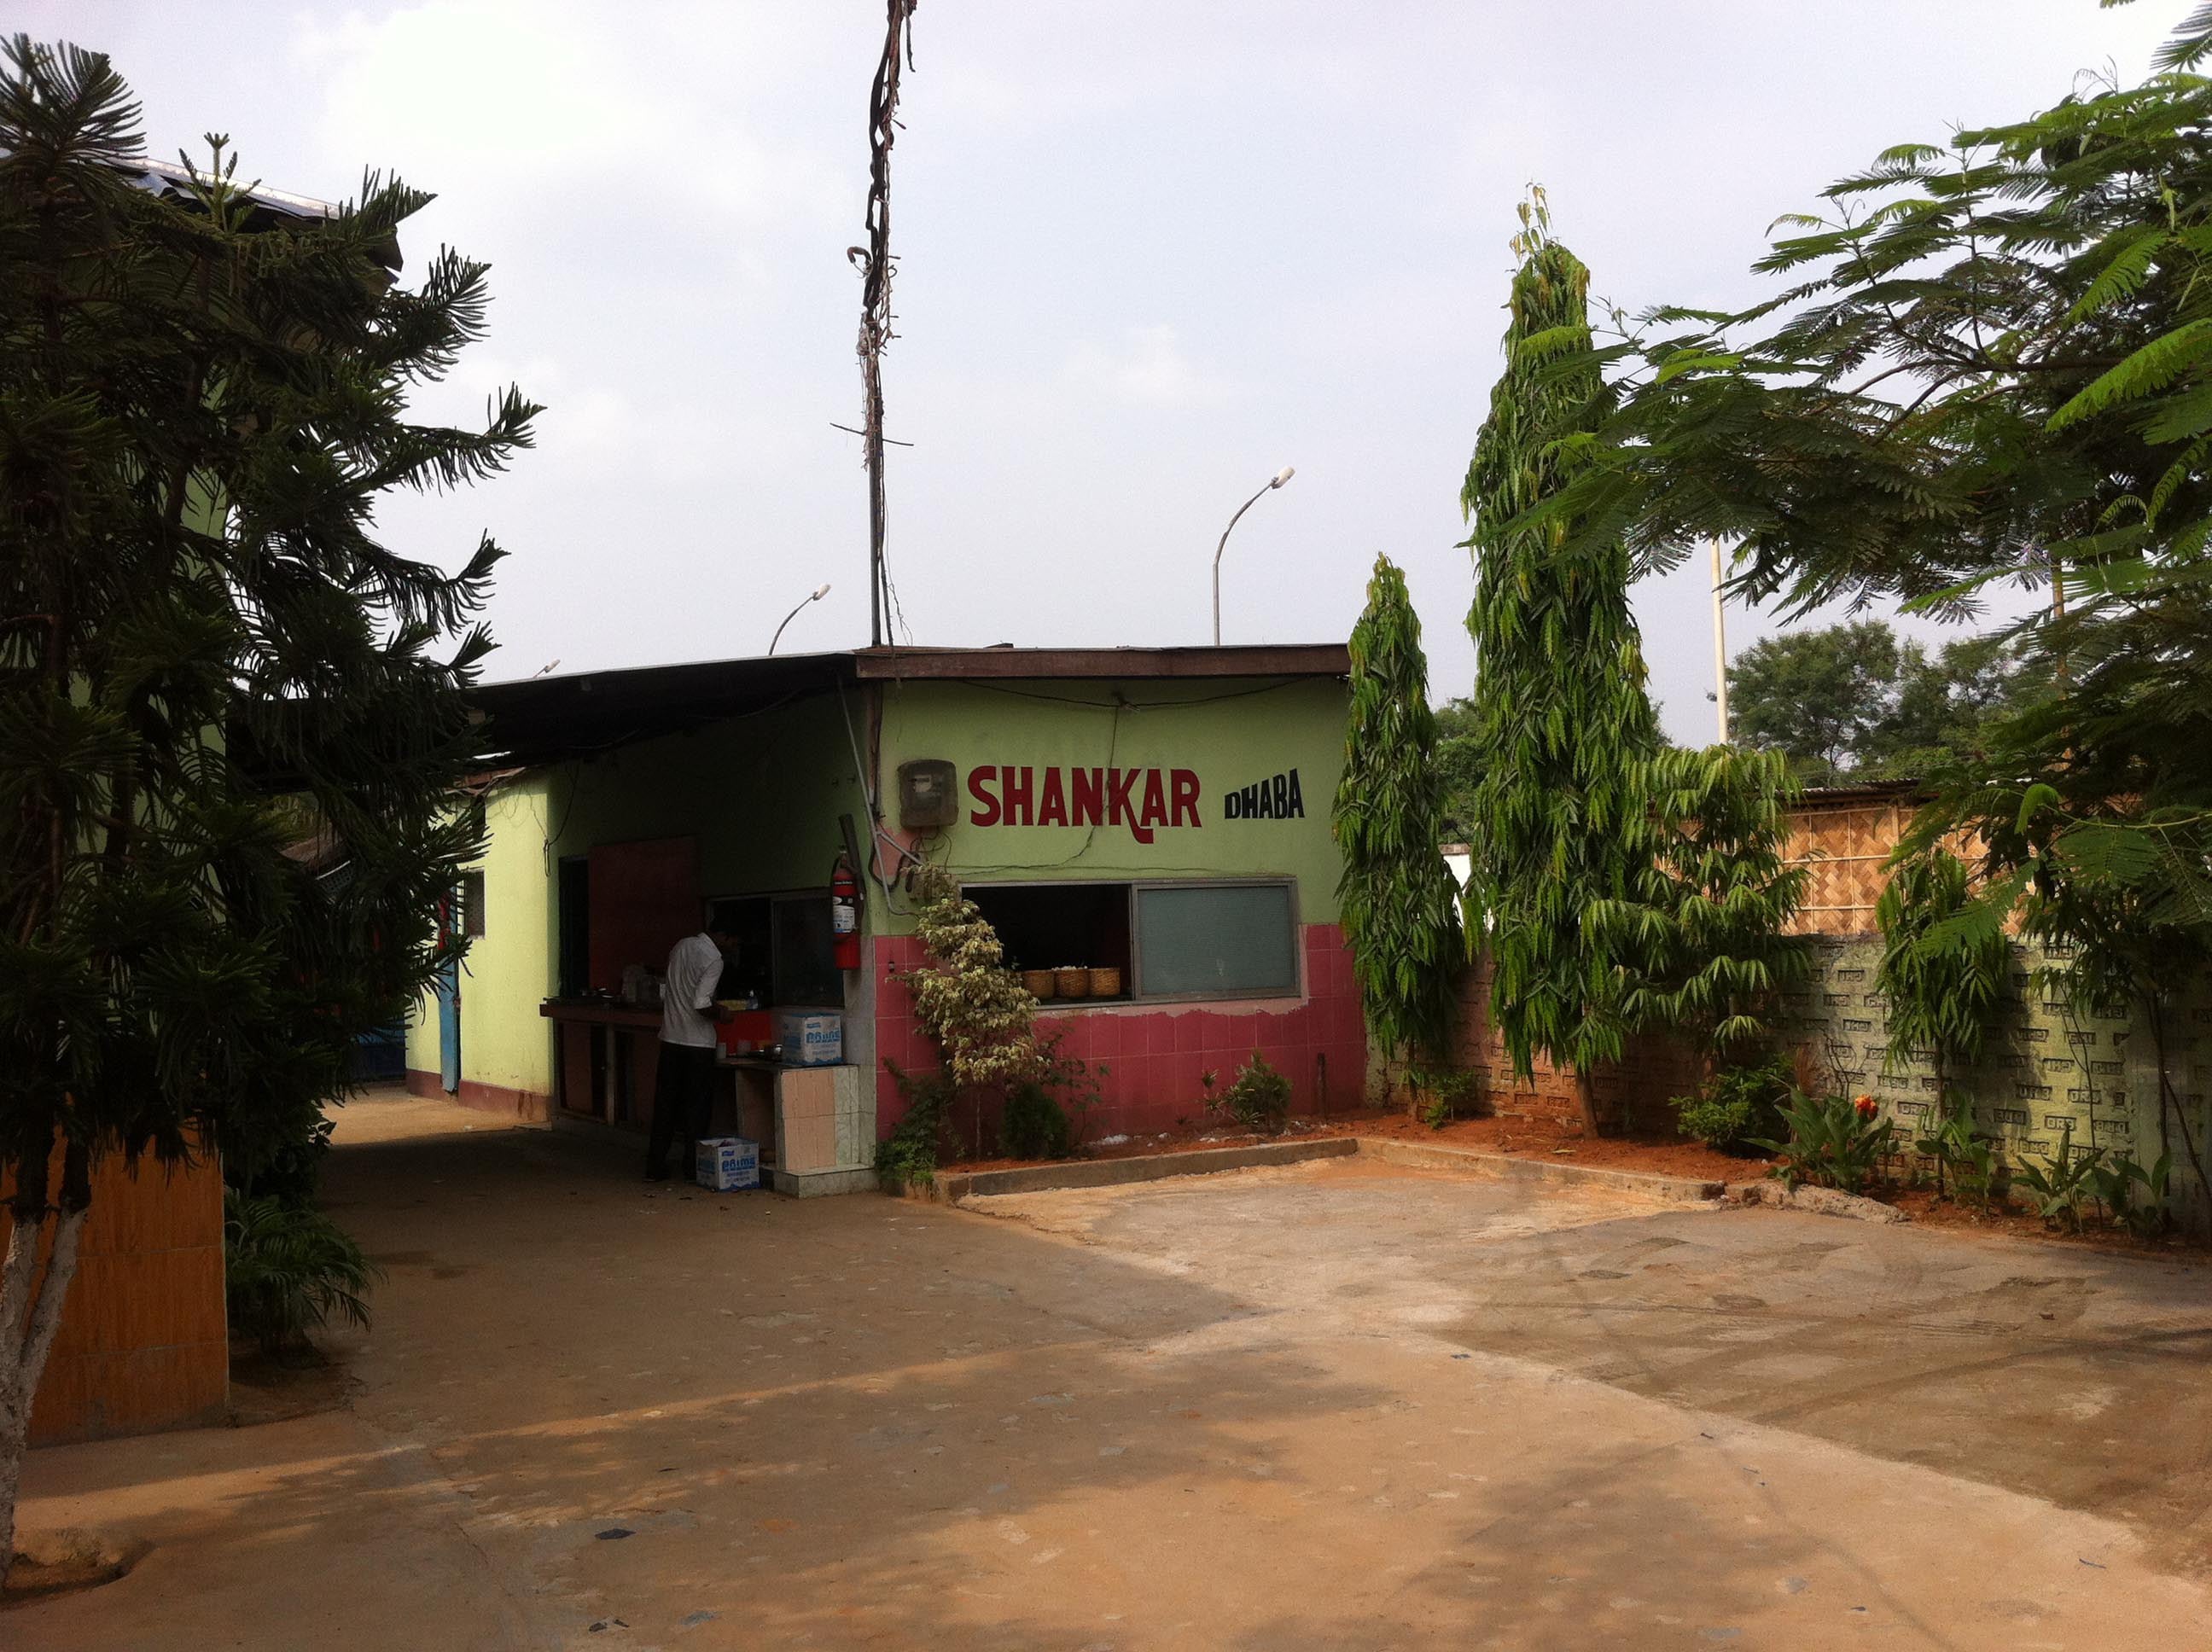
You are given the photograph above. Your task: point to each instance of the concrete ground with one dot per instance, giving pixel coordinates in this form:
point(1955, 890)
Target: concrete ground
point(1330, 1406)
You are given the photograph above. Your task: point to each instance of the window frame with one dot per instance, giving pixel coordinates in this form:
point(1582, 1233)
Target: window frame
point(1137, 996)
point(772, 899)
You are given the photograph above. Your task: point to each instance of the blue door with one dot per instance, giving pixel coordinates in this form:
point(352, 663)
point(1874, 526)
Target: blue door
point(449, 1003)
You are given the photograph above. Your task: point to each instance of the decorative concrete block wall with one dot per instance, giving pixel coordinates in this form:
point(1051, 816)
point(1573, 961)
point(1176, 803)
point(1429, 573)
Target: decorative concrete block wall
point(2048, 1068)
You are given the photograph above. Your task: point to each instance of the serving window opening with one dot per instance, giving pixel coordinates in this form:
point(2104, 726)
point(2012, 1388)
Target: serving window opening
point(1148, 941)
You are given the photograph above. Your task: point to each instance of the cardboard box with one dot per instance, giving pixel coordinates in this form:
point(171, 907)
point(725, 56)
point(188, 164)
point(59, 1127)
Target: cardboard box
point(728, 1163)
point(810, 1038)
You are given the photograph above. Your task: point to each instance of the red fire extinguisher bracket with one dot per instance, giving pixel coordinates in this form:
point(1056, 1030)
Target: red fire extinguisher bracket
point(845, 914)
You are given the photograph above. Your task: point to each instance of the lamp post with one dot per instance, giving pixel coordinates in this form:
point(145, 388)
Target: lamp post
point(1720, 643)
point(1275, 482)
point(793, 614)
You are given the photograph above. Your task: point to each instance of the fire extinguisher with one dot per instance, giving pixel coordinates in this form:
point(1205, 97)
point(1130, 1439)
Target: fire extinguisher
point(845, 914)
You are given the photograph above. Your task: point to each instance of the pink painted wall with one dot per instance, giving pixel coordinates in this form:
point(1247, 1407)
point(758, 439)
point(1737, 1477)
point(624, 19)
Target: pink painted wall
point(1154, 1054)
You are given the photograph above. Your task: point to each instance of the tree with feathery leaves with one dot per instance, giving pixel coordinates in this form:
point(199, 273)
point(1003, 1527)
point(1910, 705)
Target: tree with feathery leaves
point(1400, 910)
point(1561, 819)
point(1702, 935)
point(205, 657)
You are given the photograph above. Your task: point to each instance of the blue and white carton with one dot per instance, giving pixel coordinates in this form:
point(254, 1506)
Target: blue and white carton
point(728, 1163)
point(810, 1038)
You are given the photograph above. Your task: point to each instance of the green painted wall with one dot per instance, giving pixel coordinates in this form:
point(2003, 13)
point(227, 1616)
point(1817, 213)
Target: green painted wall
point(511, 967)
point(763, 796)
point(1229, 734)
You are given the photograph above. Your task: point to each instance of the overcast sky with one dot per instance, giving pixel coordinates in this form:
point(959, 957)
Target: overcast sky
point(1149, 253)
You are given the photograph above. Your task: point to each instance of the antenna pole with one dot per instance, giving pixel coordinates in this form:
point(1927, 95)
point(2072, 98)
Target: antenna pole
point(875, 265)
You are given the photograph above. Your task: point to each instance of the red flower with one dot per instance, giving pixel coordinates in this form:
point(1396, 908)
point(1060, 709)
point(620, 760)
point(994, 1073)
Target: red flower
point(1865, 1105)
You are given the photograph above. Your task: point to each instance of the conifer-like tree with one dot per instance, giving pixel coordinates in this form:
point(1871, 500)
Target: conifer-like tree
point(1563, 726)
point(206, 656)
point(1401, 908)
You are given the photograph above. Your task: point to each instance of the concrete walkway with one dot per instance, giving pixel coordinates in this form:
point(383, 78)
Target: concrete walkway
point(1329, 1406)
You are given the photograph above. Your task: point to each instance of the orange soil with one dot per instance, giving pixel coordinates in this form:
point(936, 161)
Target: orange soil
point(1672, 1155)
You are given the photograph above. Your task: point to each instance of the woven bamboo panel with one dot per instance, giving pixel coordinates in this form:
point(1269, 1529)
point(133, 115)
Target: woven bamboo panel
point(144, 1341)
point(1844, 846)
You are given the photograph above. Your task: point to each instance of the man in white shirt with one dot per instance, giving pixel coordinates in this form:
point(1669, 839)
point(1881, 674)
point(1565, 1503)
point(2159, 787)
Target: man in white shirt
point(683, 1085)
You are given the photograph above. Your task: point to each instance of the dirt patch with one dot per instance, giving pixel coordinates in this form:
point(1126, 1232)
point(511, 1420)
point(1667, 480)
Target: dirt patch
point(266, 1389)
point(2011, 1222)
point(1666, 1155)
point(68, 1558)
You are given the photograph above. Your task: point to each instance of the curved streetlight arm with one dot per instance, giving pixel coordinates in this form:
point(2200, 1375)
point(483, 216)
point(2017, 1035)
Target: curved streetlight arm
point(815, 596)
point(1273, 483)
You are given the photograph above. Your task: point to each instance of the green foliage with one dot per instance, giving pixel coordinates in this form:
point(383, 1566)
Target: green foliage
point(1982, 363)
point(1459, 768)
point(1943, 964)
point(1699, 936)
point(200, 406)
point(1834, 1142)
point(1851, 702)
point(1259, 1099)
point(1562, 724)
point(1963, 1155)
point(908, 1156)
point(287, 1271)
point(208, 655)
point(290, 1171)
point(1400, 903)
point(1032, 1125)
point(1736, 1104)
point(2134, 1194)
point(2062, 1183)
point(965, 997)
point(1440, 1096)
point(1817, 696)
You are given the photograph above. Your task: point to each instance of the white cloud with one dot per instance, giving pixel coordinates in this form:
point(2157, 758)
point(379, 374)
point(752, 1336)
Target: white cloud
point(550, 98)
point(1148, 370)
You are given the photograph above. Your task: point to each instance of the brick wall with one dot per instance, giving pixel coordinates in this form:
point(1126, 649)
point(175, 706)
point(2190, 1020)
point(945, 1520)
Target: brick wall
point(1633, 1093)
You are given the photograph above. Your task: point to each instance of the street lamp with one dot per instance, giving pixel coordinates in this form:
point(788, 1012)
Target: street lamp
point(1276, 481)
point(793, 614)
point(1719, 695)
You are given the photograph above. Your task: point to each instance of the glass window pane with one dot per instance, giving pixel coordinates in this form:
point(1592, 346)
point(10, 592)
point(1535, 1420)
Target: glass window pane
point(1231, 940)
point(805, 963)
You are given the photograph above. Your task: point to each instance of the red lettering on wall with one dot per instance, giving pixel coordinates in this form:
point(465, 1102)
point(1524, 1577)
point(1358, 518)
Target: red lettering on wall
point(1087, 800)
point(1156, 803)
point(1184, 785)
point(1052, 807)
point(1016, 784)
point(986, 801)
point(1119, 782)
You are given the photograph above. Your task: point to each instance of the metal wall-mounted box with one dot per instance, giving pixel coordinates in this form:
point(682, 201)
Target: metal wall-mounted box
point(928, 795)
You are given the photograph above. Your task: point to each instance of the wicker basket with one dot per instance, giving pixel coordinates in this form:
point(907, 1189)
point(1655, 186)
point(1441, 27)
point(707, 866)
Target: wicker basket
point(1040, 983)
point(1105, 983)
point(1073, 983)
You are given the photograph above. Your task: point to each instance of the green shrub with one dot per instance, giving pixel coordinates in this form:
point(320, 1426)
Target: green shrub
point(1736, 1104)
point(2062, 1183)
point(1963, 1155)
point(908, 1156)
point(2116, 1182)
point(287, 1271)
point(1032, 1125)
point(1259, 1099)
point(1449, 1095)
point(1833, 1141)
